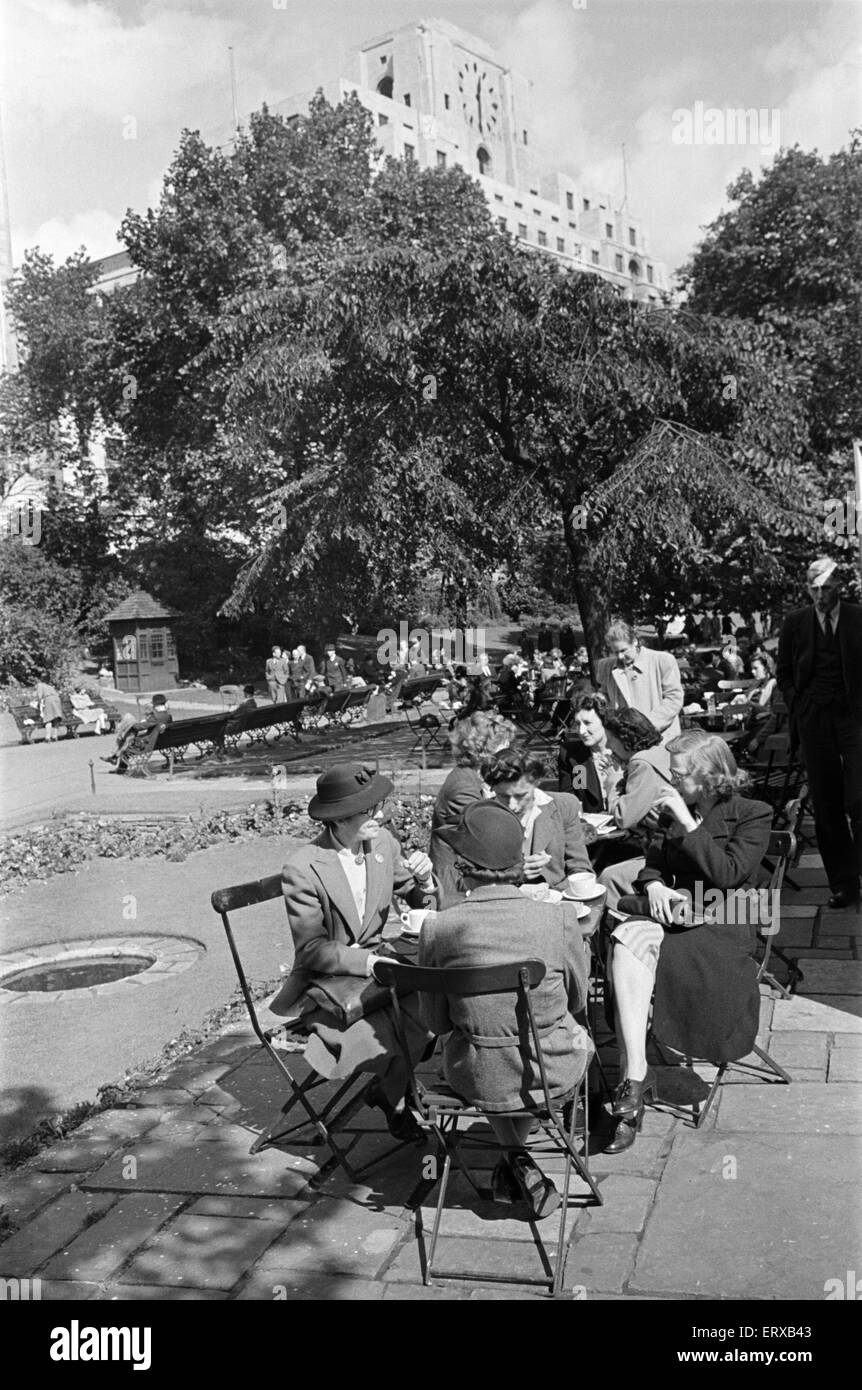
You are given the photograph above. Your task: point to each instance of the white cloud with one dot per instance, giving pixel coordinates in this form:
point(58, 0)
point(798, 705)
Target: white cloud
point(60, 236)
point(81, 59)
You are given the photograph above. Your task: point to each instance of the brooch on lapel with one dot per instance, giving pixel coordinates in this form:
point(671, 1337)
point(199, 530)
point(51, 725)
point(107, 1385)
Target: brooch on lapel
point(378, 858)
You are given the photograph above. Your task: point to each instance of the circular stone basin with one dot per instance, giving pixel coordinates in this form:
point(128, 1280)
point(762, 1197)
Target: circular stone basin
point(78, 974)
point(93, 968)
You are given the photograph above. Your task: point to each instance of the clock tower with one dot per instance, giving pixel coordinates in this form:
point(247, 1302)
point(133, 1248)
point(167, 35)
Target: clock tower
point(472, 107)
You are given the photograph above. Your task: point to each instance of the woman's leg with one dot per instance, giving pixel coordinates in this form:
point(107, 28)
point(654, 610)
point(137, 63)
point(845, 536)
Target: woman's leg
point(511, 1133)
point(633, 986)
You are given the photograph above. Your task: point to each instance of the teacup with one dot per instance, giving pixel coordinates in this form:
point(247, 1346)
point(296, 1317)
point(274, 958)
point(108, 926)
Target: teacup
point(583, 885)
point(411, 921)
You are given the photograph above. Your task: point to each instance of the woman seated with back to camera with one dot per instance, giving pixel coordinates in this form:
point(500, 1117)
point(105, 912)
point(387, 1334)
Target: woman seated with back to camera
point(707, 1001)
point(488, 1054)
point(615, 762)
point(554, 845)
point(473, 738)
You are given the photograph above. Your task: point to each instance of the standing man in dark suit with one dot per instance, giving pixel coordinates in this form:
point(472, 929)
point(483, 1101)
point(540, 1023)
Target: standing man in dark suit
point(820, 676)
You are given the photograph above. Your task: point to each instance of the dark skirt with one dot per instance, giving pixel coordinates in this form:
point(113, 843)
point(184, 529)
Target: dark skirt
point(707, 1000)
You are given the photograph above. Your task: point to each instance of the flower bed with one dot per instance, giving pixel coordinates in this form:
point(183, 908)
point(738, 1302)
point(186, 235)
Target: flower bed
point(62, 846)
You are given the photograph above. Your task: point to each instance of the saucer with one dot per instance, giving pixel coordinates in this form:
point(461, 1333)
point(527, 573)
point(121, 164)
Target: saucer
point(570, 897)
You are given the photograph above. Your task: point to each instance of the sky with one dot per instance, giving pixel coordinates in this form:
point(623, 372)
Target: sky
point(95, 92)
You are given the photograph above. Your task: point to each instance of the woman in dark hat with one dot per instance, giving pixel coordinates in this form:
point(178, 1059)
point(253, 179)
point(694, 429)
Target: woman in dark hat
point(488, 1057)
point(337, 891)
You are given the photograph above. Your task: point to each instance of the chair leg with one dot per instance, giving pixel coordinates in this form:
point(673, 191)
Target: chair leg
point(700, 1115)
point(441, 1198)
point(772, 1064)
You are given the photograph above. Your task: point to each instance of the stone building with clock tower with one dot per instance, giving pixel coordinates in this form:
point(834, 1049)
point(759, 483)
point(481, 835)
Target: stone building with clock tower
point(440, 96)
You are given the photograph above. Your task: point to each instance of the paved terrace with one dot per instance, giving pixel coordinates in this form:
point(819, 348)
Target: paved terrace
point(160, 1199)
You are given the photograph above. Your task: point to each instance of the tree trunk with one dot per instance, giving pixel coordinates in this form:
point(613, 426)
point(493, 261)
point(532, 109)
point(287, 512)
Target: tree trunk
point(593, 605)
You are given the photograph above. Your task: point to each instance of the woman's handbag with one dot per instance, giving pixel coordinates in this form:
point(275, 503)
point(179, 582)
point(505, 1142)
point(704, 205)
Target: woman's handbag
point(347, 997)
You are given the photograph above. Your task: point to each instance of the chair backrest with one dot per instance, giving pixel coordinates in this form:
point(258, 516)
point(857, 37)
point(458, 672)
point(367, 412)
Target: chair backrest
point(480, 979)
point(227, 900)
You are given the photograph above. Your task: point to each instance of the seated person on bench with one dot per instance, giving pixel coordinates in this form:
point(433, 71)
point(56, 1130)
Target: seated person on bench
point(337, 891)
point(129, 728)
point(488, 1057)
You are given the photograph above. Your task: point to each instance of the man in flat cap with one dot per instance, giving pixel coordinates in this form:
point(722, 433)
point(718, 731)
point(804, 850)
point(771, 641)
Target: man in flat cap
point(820, 676)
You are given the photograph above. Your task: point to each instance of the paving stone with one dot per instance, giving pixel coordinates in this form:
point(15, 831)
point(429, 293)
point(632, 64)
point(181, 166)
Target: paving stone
point(22, 1194)
point(219, 1168)
point(848, 1004)
point(204, 1252)
point(55, 1226)
point(468, 1215)
point(831, 976)
point(247, 1208)
point(808, 896)
point(846, 1041)
point(97, 1140)
point(797, 912)
point(601, 1262)
point(57, 1290)
point(336, 1237)
point(162, 1096)
point(832, 952)
point(810, 876)
point(799, 1049)
point(751, 1237)
point(297, 1286)
point(456, 1291)
point(645, 1157)
point(794, 935)
point(187, 1076)
point(845, 1065)
point(627, 1203)
point(152, 1293)
point(813, 1016)
point(481, 1257)
point(845, 919)
point(789, 1110)
point(98, 1252)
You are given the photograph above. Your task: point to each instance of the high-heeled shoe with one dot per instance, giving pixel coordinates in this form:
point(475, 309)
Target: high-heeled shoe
point(630, 1095)
point(626, 1132)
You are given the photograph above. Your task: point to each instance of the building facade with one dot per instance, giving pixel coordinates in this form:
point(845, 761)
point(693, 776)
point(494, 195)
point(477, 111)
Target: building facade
point(440, 96)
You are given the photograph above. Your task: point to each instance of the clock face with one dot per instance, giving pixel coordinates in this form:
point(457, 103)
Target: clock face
point(480, 99)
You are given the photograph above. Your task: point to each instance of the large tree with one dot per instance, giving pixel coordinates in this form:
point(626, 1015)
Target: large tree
point(788, 251)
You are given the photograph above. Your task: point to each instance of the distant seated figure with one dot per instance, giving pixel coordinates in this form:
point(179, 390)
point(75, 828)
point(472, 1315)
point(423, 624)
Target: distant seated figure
point(129, 728)
point(89, 714)
point(249, 702)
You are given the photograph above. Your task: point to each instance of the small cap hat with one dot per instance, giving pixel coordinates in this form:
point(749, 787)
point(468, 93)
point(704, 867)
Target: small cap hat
point(488, 835)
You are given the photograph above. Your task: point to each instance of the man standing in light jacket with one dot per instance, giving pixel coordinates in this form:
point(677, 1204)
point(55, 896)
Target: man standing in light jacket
point(635, 677)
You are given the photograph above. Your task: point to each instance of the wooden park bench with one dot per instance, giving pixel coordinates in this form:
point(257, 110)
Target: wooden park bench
point(29, 721)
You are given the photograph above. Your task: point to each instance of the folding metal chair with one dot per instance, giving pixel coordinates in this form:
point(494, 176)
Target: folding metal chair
point(782, 847)
point(440, 1111)
point(340, 1107)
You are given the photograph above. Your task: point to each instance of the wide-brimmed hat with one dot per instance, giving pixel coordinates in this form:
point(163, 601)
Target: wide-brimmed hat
point(346, 790)
point(488, 835)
